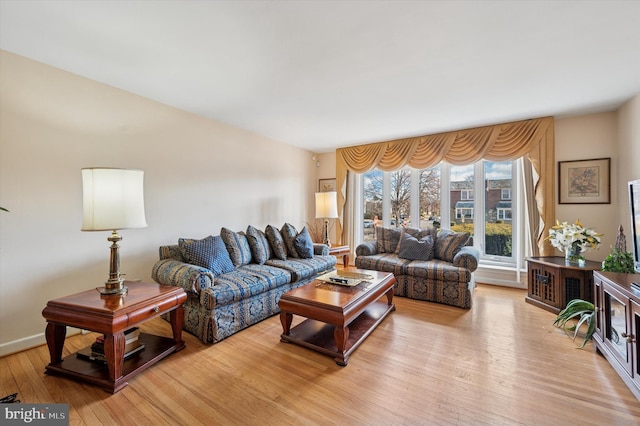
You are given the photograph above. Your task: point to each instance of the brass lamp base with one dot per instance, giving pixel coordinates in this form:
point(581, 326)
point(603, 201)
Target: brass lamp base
point(113, 288)
point(114, 285)
point(326, 233)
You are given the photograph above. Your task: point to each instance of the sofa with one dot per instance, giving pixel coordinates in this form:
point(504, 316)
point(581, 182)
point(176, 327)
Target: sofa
point(235, 279)
point(436, 266)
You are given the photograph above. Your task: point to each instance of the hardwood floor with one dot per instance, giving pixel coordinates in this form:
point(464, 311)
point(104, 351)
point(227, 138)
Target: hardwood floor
point(500, 363)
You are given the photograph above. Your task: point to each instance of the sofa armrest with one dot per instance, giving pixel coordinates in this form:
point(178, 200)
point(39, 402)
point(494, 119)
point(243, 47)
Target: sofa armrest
point(468, 258)
point(191, 278)
point(367, 249)
point(320, 249)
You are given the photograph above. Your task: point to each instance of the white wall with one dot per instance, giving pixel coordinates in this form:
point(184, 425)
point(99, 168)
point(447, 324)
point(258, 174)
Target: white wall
point(200, 175)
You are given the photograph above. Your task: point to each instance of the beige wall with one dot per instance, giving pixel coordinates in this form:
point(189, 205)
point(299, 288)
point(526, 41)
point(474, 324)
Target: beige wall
point(628, 158)
point(200, 175)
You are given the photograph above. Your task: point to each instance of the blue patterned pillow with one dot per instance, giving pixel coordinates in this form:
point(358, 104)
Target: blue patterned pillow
point(289, 233)
point(237, 246)
point(412, 248)
point(259, 245)
point(276, 242)
point(209, 253)
point(304, 244)
point(449, 243)
point(388, 239)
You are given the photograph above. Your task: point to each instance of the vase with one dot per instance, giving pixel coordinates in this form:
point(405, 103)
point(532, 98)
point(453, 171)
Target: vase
point(573, 254)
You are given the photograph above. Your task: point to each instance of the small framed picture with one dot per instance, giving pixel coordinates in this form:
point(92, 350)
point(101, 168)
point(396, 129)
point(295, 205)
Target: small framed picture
point(326, 185)
point(584, 181)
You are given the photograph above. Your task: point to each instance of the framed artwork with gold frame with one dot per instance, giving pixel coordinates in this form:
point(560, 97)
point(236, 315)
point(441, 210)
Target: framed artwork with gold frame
point(584, 181)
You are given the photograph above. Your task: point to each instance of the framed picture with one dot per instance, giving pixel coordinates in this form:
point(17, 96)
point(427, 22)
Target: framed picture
point(584, 181)
point(326, 185)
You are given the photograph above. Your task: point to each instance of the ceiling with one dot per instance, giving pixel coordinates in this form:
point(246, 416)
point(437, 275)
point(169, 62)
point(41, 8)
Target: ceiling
point(325, 74)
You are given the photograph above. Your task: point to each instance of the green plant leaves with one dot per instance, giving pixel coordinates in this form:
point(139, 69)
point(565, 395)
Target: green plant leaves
point(577, 313)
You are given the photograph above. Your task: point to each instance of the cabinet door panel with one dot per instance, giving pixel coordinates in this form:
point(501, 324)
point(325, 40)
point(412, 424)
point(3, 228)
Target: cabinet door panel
point(616, 327)
point(635, 355)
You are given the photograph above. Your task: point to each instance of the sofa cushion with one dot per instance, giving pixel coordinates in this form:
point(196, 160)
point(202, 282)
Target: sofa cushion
point(415, 249)
point(247, 281)
point(259, 245)
point(303, 244)
point(210, 253)
point(289, 234)
point(278, 247)
point(388, 239)
point(449, 243)
point(304, 268)
point(237, 246)
point(384, 262)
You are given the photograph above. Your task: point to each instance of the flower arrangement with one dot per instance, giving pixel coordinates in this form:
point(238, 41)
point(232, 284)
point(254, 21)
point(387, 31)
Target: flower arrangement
point(573, 239)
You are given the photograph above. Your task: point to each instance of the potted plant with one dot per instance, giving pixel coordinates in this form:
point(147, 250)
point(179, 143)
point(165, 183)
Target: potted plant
point(619, 260)
point(577, 313)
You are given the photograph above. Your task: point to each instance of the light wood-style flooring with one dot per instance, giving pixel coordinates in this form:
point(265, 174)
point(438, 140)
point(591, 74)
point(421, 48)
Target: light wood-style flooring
point(500, 363)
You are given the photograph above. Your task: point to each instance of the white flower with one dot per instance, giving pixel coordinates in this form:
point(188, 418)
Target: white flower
point(565, 235)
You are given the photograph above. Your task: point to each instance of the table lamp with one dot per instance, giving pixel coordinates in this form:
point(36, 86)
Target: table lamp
point(112, 199)
point(326, 208)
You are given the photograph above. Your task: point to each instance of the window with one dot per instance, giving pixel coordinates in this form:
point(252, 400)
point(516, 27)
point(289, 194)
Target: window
point(475, 198)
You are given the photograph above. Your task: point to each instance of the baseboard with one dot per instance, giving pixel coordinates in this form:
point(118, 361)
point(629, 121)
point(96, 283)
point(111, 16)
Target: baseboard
point(29, 342)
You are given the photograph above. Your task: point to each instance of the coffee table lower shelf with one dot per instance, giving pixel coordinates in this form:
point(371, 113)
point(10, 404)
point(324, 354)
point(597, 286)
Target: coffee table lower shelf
point(319, 336)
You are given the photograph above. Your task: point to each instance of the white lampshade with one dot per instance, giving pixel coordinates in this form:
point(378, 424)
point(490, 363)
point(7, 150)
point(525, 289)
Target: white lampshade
point(326, 205)
point(112, 199)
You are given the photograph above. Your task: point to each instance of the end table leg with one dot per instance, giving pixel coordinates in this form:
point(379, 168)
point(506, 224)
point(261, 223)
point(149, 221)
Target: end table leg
point(55, 335)
point(285, 319)
point(114, 352)
point(176, 317)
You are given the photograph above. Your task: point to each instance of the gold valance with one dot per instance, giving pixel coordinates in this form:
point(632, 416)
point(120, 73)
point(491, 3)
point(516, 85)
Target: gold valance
point(509, 141)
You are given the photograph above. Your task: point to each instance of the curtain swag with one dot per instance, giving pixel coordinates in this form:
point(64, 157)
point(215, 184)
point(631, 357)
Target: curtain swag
point(502, 142)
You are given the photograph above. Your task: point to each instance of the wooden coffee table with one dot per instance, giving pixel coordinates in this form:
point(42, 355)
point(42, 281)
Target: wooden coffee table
point(339, 317)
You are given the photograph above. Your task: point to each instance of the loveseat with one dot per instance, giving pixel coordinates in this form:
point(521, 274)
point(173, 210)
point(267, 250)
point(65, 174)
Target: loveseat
point(235, 279)
point(431, 265)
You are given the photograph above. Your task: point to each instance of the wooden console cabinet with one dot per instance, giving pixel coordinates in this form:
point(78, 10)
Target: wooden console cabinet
point(552, 282)
point(617, 306)
point(112, 315)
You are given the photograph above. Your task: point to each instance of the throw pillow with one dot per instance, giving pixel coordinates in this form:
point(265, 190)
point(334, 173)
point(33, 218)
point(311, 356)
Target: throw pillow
point(449, 243)
point(388, 239)
point(237, 246)
point(304, 244)
point(276, 242)
point(209, 253)
point(412, 248)
point(288, 235)
point(259, 245)
point(414, 232)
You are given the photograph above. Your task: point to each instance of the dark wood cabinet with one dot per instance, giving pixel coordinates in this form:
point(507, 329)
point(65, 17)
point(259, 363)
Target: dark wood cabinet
point(617, 305)
point(552, 282)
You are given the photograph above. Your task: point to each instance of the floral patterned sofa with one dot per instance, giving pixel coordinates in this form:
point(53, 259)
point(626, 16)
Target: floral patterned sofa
point(235, 280)
point(427, 264)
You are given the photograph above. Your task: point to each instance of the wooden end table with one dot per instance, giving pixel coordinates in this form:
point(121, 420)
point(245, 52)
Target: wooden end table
point(339, 317)
point(112, 315)
point(341, 250)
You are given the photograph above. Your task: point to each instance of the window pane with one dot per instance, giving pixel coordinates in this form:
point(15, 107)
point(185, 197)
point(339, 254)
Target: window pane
point(399, 197)
point(372, 203)
point(461, 194)
point(430, 198)
point(498, 240)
